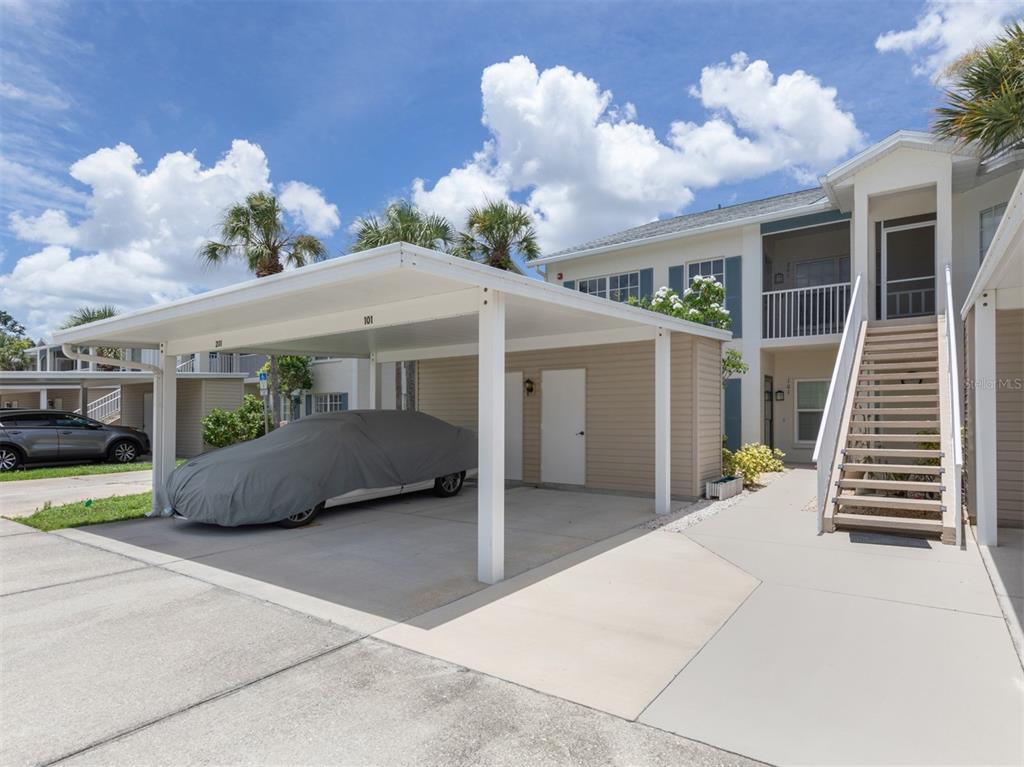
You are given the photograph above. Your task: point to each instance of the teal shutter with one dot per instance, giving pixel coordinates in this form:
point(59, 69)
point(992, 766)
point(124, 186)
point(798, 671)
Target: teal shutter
point(675, 279)
point(646, 283)
point(571, 284)
point(734, 293)
point(733, 421)
point(309, 404)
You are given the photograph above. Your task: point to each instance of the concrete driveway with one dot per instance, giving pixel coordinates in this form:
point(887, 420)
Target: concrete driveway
point(113, 660)
point(20, 498)
point(366, 640)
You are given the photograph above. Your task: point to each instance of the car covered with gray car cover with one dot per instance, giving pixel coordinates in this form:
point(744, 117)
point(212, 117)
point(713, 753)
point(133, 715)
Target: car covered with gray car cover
point(306, 462)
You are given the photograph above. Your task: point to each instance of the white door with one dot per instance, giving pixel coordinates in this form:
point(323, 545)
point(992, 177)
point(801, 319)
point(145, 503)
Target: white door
point(563, 416)
point(514, 425)
point(147, 413)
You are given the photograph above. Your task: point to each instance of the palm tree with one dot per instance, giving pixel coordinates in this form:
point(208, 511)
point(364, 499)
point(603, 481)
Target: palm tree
point(254, 230)
point(495, 233)
point(986, 101)
point(404, 222)
point(86, 314)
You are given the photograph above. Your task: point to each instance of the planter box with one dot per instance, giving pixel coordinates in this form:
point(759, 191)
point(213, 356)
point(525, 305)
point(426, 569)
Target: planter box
point(724, 487)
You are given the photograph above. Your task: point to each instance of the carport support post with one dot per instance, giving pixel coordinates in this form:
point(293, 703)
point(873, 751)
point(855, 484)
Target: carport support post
point(165, 407)
point(491, 446)
point(373, 381)
point(663, 421)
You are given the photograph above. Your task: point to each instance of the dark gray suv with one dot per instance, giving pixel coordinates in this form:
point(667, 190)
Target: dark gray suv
point(53, 436)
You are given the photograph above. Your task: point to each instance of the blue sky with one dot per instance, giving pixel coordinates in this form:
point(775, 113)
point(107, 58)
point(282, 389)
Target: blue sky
point(357, 100)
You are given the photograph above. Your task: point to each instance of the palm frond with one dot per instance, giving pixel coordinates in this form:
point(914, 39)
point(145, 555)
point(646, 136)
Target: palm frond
point(86, 314)
point(305, 249)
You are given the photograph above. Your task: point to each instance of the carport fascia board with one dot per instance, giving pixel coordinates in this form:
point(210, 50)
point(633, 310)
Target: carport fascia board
point(359, 265)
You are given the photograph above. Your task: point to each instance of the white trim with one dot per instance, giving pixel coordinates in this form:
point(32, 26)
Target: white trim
point(663, 422)
point(686, 266)
point(897, 140)
point(985, 415)
point(491, 438)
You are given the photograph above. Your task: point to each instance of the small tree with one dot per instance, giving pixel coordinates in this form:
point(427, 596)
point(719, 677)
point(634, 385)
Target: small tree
point(222, 428)
point(13, 343)
point(404, 222)
point(295, 373)
point(732, 364)
point(703, 302)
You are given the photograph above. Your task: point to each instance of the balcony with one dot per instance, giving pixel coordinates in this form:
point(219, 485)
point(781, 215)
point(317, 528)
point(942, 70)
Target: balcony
point(819, 310)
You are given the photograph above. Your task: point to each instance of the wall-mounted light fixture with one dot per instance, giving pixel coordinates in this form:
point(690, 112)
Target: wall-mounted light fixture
point(528, 386)
point(780, 395)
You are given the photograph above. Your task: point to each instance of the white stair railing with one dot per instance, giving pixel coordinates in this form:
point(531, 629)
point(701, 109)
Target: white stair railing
point(954, 404)
point(103, 408)
point(827, 443)
point(187, 365)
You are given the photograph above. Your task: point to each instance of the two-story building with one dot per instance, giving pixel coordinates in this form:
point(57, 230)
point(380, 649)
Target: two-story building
point(894, 215)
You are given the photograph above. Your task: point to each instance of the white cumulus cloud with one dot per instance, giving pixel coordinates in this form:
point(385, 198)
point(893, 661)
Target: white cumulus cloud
point(308, 207)
point(136, 243)
point(947, 29)
point(587, 166)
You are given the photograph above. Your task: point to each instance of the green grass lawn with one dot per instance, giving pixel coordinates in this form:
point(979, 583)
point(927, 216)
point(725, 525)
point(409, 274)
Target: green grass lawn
point(53, 472)
point(101, 510)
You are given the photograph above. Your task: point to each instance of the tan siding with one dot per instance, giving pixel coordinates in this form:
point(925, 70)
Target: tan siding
point(132, 399)
point(1010, 416)
point(619, 408)
point(189, 440)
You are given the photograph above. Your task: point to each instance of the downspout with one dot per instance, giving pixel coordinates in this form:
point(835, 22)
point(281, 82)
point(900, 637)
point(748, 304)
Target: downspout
point(71, 353)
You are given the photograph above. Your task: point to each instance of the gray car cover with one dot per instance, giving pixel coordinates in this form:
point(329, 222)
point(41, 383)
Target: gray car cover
point(313, 459)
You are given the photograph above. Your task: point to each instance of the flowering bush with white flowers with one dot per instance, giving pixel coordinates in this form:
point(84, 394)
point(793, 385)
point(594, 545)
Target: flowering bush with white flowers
point(702, 302)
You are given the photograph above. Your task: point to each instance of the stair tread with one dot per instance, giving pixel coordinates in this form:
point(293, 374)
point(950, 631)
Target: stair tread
point(890, 468)
point(909, 327)
point(891, 484)
point(892, 346)
point(888, 523)
point(894, 425)
point(879, 398)
point(898, 375)
point(924, 438)
point(894, 452)
point(896, 411)
point(886, 502)
point(915, 336)
point(907, 366)
point(929, 385)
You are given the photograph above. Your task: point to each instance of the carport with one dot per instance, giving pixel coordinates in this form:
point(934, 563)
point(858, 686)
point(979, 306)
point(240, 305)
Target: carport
point(401, 302)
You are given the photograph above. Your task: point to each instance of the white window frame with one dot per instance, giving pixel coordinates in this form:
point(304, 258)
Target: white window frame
point(323, 401)
point(981, 226)
point(689, 280)
point(606, 293)
point(797, 410)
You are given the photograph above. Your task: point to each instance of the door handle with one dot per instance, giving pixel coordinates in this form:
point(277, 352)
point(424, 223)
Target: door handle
point(579, 434)
point(15, 431)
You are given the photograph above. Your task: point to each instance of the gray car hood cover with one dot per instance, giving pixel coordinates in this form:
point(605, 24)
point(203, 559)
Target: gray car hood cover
point(316, 458)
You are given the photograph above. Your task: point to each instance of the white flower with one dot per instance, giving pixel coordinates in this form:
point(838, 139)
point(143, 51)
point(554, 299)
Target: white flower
point(688, 292)
point(725, 311)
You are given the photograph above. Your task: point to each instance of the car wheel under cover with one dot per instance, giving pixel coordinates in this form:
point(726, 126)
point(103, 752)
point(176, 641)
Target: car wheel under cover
point(449, 484)
point(303, 517)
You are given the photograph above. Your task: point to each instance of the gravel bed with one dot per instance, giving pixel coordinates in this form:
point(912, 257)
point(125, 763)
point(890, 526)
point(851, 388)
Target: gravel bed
point(696, 512)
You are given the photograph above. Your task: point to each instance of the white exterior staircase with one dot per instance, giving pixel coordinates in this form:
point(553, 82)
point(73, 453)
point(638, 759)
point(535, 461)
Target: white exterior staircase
point(890, 471)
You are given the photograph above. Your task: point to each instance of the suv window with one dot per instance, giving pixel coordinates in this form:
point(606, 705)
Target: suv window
point(77, 421)
point(29, 419)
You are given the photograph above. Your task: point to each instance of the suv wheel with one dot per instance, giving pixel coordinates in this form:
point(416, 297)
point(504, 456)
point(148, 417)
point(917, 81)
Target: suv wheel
point(449, 484)
point(10, 459)
point(124, 451)
point(303, 517)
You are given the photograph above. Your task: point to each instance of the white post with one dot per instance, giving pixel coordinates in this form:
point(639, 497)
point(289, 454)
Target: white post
point(156, 429)
point(862, 261)
point(663, 422)
point(491, 435)
point(43, 399)
point(201, 362)
point(984, 385)
point(373, 380)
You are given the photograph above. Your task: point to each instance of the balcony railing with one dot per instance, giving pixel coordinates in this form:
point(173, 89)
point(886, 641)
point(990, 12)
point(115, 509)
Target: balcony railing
point(803, 312)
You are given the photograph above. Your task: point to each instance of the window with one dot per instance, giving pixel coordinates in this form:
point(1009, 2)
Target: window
point(66, 420)
point(822, 271)
point(29, 419)
point(330, 402)
point(617, 287)
point(990, 218)
point(713, 268)
point(810, 405)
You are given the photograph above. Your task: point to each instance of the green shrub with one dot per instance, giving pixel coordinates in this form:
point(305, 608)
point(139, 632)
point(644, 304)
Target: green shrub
point(226, 427)
point(751, 461)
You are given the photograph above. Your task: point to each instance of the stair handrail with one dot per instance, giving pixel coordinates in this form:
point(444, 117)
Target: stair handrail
point(957, 448)
point(103, 406)
point(826, 445)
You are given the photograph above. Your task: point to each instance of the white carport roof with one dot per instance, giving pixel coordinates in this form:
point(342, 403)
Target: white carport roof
point(396, 301)
point(400, 302)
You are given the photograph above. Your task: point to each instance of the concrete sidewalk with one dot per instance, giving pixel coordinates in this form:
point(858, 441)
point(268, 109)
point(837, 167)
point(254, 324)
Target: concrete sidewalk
point(20, 498)
point(112, 660)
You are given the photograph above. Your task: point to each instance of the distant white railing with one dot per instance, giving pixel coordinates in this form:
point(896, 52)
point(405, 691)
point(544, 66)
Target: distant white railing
point(187, 365)
point(222, 363)
point(957, 448)
point(106, 406)
point(798, 312)
point(913, 301)
point(827, 444)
